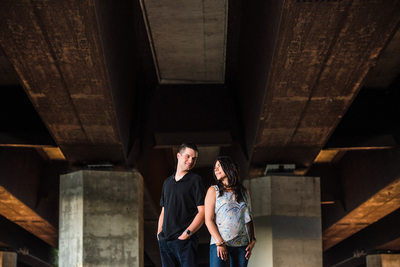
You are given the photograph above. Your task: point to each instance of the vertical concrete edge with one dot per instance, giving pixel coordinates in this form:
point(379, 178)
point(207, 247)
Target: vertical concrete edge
point(140, 212)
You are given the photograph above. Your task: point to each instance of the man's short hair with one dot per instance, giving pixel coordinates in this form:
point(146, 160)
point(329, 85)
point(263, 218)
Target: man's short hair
point(187, 145)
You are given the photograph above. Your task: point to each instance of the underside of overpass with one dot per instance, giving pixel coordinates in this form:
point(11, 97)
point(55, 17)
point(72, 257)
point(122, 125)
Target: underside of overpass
point(118, 85)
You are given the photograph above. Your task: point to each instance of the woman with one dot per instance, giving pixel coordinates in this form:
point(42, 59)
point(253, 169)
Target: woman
point(227, 216)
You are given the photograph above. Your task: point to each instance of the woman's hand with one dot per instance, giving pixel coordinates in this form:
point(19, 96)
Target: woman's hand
point(222, 252)
point(249, 248)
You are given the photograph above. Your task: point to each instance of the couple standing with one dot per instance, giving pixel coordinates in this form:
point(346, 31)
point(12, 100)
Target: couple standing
point(225, 211)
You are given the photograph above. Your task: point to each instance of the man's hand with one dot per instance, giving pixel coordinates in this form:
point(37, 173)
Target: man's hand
point(160, 222)
point(184, 236)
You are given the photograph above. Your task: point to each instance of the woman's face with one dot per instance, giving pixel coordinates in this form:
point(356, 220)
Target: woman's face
point(219, 172)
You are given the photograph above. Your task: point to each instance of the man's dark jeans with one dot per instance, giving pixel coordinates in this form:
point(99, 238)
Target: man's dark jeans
point(179, 253)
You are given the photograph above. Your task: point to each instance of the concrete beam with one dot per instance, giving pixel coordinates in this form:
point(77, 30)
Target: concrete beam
point(391, 245)
point(326, 156)
point(16, 238)
point(378, 206)
point(388, 66)
point(323, 53)
point(30, 189)
point(56, 50)
point(368, 239)
point(16, 211)
point(371, 121)
point(369, 190)
point(253, 30)
point(130, 68)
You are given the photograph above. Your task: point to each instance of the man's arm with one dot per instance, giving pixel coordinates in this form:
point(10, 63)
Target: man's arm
point(196, 223)
point(160, 221)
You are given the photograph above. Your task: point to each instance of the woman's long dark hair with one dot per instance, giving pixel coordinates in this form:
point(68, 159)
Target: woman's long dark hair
point(232, 172)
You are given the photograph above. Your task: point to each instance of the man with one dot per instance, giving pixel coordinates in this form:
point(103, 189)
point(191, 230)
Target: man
point(182, 212)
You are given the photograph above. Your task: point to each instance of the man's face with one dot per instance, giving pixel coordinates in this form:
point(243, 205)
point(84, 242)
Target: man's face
point(186, 159)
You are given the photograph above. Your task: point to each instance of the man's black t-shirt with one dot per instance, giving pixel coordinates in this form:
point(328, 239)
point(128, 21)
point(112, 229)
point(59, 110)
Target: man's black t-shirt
point(180, 200)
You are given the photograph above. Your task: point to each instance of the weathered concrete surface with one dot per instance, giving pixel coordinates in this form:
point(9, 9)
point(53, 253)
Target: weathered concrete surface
point(8, 259)
point(287, 217)
point(263, 251)
point(188, 39)
point(101, 219)
point(56, 50)
point(323, 52)
point(383, 260)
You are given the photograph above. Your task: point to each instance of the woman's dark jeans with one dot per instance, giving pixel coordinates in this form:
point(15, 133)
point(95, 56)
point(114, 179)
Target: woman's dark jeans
point(236, 257)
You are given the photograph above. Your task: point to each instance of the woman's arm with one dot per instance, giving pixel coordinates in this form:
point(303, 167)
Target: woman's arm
point(209, 220)
point(250, 246)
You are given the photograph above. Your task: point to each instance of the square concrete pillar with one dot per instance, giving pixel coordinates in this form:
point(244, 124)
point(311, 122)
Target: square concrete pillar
point(8, 259)
point(287, 218)
point(383, 260)
point(101, 219)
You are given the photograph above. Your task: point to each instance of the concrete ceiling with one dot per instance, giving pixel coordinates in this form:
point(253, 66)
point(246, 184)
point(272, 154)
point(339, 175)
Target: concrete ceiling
point(121, 84)
point(188, 39)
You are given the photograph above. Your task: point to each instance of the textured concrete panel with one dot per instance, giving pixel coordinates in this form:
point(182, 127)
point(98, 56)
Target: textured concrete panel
point(71, 220)
point(383, 260)
point(188, 39)
point(8, 259)
point(297, 252)
point(263, 251)
point(287, 220)
point(101, 219)
point(260, 203)
point(296, 227)
point(295, 196)
point(374, 261)
point(292, 195)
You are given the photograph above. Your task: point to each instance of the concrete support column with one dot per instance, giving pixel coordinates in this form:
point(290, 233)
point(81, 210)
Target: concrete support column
point(383, 260)
point(287, 218)
point(101, 219)
point(8, 259)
